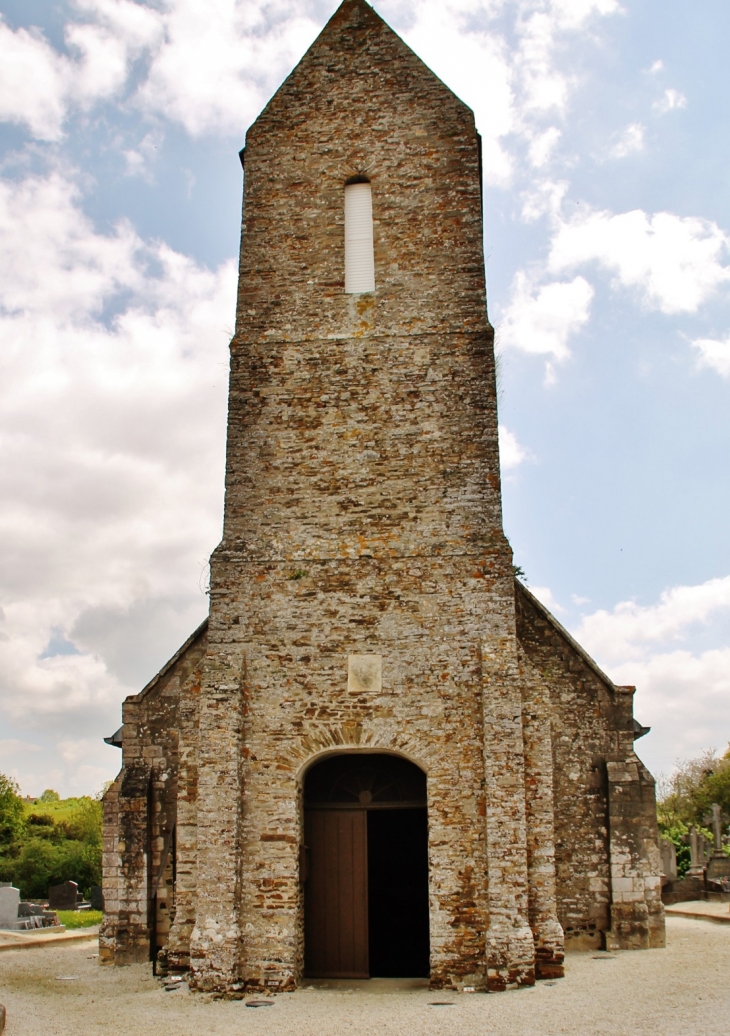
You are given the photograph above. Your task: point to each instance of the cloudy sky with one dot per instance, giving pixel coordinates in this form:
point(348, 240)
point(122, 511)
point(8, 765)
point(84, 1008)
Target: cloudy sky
point(607, 229)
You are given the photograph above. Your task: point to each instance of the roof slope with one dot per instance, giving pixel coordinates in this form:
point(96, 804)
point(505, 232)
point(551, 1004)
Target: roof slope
point(639, 729)
point(354, 41)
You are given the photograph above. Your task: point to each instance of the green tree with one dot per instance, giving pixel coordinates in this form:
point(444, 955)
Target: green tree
point(84, 824)
point(12, 816)
point(42, 863)
point(687, 798)
point(48, 846)
point(688, 795)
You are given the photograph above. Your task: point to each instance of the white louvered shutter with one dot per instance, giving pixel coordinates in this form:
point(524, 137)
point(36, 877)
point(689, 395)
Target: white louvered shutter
point(359, 258)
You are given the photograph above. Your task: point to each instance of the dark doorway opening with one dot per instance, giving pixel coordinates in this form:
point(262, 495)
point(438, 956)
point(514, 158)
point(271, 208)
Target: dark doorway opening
point(398, 893)
point(366, 868)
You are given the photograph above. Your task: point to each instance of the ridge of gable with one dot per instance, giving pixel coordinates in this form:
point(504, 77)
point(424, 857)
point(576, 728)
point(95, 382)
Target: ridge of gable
point(566, 637)
point(353, 17)
point(195, 636)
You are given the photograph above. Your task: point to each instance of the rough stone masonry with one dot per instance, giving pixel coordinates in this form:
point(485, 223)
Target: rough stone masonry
point(363, 597)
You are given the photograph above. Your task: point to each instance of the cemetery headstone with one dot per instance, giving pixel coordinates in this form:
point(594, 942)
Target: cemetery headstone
point(718, 868)
point(9, 901)
point(717, 827)
point(64, 896)
point(696, 853)
point(669, 858)
point(96, 898)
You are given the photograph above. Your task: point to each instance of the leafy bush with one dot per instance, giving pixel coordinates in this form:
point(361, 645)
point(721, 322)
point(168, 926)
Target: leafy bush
point(12, 814)
point(678, 834)
point(687, 798)
point(48, 841)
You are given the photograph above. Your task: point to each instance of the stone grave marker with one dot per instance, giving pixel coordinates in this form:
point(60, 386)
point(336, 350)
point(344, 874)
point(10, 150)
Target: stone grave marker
point(718, 867)
point(64, 896)
point(96, 898)
point(669, 858)
point(9, 901)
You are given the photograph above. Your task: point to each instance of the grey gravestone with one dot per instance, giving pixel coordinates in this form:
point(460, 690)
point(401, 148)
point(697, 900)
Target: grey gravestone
point(696, 851)
point(717, 827)
point(669, 858)
point(96, 898)
point(9, 901)
point(30, 910)
point(718, 868)
point(63, 897)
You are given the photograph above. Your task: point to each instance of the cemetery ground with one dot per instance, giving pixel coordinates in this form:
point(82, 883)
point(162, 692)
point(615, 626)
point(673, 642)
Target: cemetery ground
point(682, 989)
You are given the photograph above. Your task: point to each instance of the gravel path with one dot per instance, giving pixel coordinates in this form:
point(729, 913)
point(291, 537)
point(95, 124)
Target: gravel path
point(683, 989)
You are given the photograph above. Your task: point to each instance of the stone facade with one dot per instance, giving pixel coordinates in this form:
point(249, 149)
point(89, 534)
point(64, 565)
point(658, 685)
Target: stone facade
point(362, 597)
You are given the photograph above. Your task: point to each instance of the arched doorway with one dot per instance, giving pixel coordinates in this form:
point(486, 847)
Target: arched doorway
point(365, 868)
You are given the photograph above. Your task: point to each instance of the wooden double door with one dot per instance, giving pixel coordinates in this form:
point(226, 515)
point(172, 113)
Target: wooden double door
point(366, 877)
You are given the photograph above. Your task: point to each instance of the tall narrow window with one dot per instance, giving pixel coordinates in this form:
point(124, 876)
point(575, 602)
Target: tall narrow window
point(359, 259)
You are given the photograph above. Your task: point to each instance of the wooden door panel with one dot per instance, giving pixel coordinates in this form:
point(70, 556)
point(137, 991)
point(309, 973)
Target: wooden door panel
point(336, 894)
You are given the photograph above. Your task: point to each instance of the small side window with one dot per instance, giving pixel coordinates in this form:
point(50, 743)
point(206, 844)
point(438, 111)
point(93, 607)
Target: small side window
point(359, 257)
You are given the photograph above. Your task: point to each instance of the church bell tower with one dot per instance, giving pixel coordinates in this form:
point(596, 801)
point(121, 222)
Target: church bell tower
point(362, 598)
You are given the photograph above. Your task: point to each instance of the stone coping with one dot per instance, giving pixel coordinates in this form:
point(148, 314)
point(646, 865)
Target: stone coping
point(33, 938)
point(700, 910)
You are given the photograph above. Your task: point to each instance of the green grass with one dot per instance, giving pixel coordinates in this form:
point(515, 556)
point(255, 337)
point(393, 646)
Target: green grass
point(79, 918)
point(61, 810)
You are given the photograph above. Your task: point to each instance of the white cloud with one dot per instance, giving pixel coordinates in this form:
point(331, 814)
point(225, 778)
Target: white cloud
point(626, 631)
point(714, 354)
point(542, 146)
point(670, 101)
point(543, 199)
point(112, 427)
point(546, 596)
point(513, 87)
point(71, 767)
point(683, 697)
point(511, 453)
point(681, 693)
point(31, 82)
point(574, 13)
point(38, 85)
point(541, 319)
point(631, 140)
point(211, 67)
point(218, 62)
point(141, 159)
point(674, 262)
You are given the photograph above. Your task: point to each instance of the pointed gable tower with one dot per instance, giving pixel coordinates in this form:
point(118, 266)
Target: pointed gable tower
point(363, 518)
point(364, 781)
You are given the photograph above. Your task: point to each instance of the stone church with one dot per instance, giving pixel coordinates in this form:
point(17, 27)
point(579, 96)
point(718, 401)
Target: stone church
point(380, 755)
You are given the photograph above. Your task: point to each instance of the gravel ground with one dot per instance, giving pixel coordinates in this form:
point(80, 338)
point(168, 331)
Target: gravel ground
point(683, 989)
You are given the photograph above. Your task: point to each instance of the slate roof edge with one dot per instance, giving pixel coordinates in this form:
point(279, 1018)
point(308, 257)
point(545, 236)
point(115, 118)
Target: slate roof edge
point(581, 652)
point(639, 729)
point(171, 662)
